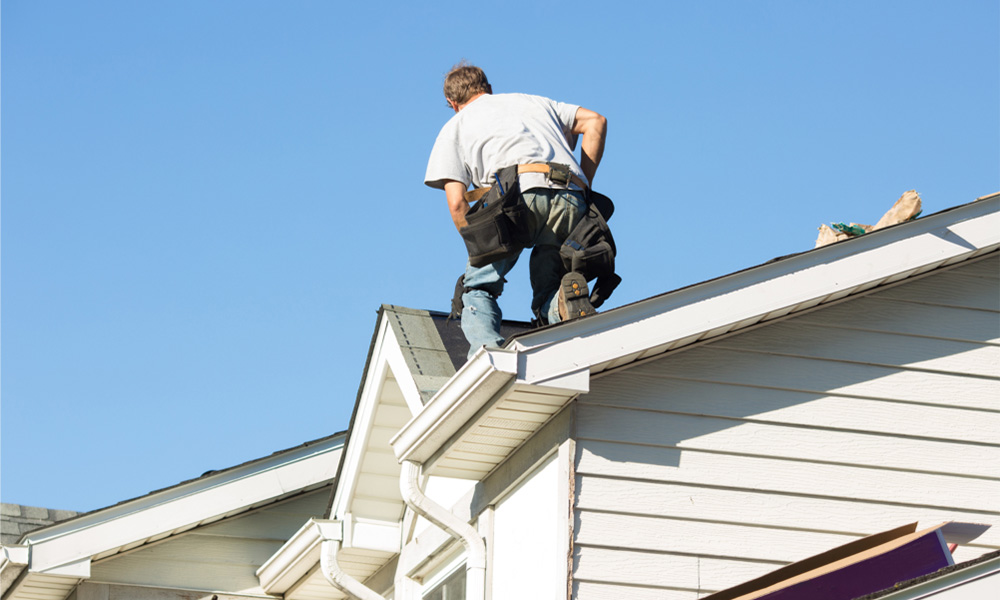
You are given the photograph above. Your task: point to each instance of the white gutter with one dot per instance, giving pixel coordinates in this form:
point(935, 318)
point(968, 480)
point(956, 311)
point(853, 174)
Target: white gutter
point(473, 386)
point(455, 526)
point(331, 533)
point(292, 562)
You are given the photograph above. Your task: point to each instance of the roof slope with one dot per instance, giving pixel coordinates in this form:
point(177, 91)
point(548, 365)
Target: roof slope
point(461, 432)
point(57, 557)
point(17, 520)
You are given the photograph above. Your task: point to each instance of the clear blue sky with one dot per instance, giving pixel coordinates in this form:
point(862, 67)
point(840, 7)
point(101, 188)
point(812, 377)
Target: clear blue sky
point(205, 203)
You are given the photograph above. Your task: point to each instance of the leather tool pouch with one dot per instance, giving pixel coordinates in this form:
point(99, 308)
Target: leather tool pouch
point(497, 224)
point(590, 248)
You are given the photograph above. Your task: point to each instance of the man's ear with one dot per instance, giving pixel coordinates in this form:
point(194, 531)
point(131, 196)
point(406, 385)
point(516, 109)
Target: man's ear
point(452, 104)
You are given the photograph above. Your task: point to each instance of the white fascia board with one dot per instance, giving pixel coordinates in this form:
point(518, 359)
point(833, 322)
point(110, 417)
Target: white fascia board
point(386, 358)
point(182, 506)
point(300, 554)
point(14, 555)
point(393, 355)
point(79, 569)
point(293, 561)
point(473, 386)
point(870, 259)
point(371, 534)
point(375, 378)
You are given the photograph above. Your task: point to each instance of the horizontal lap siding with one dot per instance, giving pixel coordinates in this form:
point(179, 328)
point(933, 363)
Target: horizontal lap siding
point(717, 464)
point(223, 556)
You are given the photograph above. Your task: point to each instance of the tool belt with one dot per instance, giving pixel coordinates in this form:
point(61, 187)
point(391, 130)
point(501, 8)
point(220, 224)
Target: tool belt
point(497, 227)
point(555, 172)
point(497, 222)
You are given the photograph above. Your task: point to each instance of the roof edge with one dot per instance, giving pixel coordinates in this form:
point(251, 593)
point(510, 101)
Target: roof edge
point(766, 291)
point(185, 505)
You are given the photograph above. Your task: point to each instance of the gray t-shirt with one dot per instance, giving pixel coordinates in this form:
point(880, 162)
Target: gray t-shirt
point(501, 130)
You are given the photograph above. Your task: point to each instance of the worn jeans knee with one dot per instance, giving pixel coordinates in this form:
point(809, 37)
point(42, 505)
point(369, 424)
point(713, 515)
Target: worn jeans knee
point(554, 214)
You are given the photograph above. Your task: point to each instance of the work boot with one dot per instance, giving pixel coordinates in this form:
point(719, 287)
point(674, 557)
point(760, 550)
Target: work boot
point(574, 298)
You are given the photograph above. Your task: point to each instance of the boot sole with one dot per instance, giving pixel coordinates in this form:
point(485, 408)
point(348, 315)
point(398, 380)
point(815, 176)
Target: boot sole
point(575, 297)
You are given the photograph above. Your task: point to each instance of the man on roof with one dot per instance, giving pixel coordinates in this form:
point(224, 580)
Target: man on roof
point(527, 140)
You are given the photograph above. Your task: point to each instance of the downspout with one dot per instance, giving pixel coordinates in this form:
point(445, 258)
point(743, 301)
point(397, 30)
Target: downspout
point(336, 576)
point(456, 527)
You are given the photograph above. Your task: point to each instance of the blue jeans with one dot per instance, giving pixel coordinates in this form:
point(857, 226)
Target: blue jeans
point(553, 215)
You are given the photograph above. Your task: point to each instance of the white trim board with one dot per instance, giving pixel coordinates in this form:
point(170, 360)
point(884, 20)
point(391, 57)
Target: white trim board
point(157, 515)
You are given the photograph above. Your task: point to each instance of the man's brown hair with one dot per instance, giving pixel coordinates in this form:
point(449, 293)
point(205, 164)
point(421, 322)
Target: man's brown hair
point(465, 81)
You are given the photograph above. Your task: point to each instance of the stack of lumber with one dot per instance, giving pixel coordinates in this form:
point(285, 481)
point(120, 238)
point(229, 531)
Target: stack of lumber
point(905, 209)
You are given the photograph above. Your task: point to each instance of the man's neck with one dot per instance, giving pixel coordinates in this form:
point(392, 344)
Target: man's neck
point(470, 101)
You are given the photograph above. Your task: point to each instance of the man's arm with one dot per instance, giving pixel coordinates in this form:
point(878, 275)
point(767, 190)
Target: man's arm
point(594, 129)
point(457, 206)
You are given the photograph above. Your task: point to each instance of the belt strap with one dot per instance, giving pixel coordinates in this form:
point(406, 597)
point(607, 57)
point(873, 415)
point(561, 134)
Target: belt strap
point(547, 169)
point(474, 195)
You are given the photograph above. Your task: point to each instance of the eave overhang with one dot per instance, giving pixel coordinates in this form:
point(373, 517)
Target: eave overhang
point(467, 429)
point(293, 561)
point(59, 556)
point(483, 414)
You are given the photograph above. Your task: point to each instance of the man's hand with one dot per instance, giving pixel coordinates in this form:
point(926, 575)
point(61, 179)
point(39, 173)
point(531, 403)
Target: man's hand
point(457, 206)
point(594, 129)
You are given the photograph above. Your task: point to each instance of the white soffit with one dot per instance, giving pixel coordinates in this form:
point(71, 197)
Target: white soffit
point(502, 397)
point(368, 486)
point(36, 586)
point(482, 415)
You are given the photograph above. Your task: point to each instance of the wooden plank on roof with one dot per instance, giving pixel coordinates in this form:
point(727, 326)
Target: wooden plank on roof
point(907, 207)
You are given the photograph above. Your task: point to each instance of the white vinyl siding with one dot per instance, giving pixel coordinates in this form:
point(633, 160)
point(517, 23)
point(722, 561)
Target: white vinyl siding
point(526, 544)
point(222, 556)
point(720, 463)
